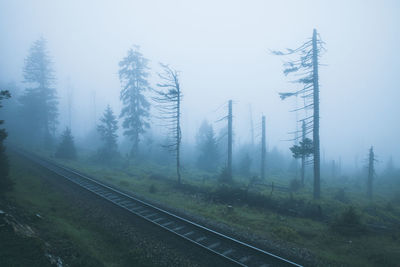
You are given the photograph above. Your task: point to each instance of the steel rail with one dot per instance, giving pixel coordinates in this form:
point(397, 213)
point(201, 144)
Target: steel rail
point(233, 250)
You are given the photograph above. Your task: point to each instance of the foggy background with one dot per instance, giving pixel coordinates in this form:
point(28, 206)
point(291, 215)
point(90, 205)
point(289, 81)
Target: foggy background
point(222, 49)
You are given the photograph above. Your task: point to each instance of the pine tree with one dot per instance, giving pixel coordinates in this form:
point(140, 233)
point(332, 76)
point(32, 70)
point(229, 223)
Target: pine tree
point(108, 132)
point(39, 101)
point(207, 147)
point(66, 149)
point(5, 182)
point(133, 74)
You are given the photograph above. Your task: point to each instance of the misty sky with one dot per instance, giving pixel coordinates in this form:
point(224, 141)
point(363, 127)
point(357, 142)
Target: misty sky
point(222, 50)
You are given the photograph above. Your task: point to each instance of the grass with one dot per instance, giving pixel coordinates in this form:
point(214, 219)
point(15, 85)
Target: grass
point(157, 182)
point(83, 242)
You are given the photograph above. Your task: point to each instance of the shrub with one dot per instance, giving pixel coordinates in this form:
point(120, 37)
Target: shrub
point(349, 222)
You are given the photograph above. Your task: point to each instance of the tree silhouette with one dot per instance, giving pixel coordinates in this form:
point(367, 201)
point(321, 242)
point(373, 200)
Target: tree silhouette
point(66, 149)
point(39, 102)
point(133, 74)
point(108, 133)
point(306, 68)
point(168, 100)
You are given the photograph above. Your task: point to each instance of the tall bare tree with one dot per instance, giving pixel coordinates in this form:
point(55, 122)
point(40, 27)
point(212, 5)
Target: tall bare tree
point(229, 170)
point(168, 101)
point(306, 67)
point(263, 148)
point(371, 172)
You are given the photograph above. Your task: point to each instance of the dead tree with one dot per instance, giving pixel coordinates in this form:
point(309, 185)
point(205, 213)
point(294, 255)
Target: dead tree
point(306, 66)
point(251, 125)
point(168, 100)
point(230, 140)
point(303, 155)
point(371, 172)
point(263, 148)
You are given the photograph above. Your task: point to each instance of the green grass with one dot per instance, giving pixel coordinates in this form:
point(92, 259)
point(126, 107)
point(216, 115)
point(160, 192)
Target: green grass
point(316, 235)
point(65, 225)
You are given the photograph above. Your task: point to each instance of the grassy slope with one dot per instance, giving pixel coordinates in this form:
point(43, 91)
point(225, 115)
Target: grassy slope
point(373, 249)
point(85, 243)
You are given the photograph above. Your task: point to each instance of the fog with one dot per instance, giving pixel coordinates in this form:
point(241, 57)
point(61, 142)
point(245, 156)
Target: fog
point(222, 50)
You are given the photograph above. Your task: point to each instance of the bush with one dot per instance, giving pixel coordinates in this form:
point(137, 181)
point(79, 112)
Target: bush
point(349, 222)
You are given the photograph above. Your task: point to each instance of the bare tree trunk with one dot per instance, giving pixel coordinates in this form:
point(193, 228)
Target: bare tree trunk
point(178, 133)
point(371, 171)
point(230, 140)
point(303, 156)
point(263, 148)
point(251, 125)
point(317, 186)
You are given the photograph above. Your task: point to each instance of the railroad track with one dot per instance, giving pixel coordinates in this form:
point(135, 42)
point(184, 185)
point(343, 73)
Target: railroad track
point(232, 250)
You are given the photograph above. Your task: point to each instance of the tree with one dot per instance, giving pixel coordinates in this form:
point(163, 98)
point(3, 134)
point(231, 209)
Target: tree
point(5, 182)
point(40, 99)
point(263, 148)
point(307, 68)
point(208, 148)
point(229, 166)
point(303, 151)
point(168, 100)
point(133, 74)
point(66, 149)
point(108, 133)
point(371, 171)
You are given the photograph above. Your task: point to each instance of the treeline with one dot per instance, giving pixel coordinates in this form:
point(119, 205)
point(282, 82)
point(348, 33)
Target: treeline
point(32, 116)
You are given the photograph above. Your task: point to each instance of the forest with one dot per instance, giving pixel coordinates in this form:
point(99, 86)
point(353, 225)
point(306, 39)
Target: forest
point(290, 145)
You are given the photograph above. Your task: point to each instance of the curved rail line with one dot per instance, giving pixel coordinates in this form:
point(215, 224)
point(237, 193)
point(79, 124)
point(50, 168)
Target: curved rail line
point(231, 249)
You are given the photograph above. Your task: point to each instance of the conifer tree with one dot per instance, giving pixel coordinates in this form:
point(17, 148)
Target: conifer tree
point(133, 74)
point(207, 147)
point(108, 133)
point(66, 149)
point(39, 102)
point(5, 182)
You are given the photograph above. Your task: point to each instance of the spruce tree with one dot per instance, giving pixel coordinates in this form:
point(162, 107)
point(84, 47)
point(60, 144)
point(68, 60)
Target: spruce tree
point(66, 149)
point(108, 133)
point(207, 147)
point(133, 74)
point(5, 182)
point(39, 102)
